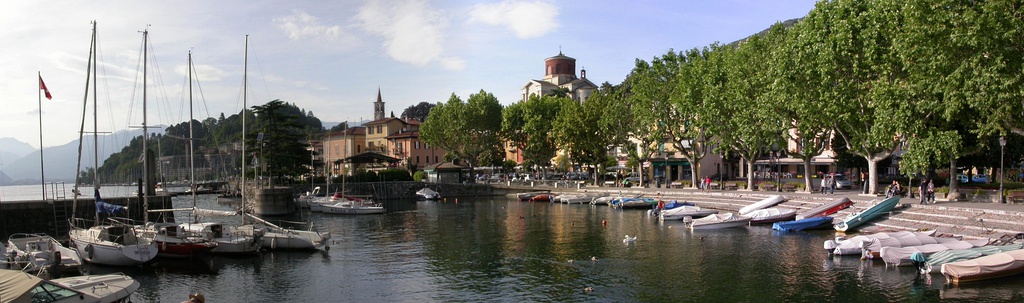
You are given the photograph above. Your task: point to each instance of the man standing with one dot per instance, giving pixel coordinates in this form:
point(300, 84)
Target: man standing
point(864, 180)
point(931, 191)
point(924, 191)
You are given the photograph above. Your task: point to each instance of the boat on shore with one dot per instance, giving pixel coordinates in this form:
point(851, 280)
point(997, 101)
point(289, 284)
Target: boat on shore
point(20, 287)
point(853, 221)
point(857, 245)
point(901, 256)
point(678, 213)
point(993, 266)
point(766, 203)
point(717, 221)
point(771, 215)
point(803, 224)
point(825, 209)
point(523, 197)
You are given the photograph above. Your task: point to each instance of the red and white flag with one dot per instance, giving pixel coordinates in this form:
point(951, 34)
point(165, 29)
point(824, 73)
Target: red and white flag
point(42, 86)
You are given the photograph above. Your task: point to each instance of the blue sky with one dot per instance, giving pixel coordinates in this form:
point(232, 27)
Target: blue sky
point(330, 57)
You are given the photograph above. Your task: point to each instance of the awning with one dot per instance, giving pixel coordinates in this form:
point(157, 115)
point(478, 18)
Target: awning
point(682, 163)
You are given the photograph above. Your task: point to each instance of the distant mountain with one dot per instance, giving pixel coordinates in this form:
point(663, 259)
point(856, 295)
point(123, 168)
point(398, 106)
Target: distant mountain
point(61, 161)
point(11, 149)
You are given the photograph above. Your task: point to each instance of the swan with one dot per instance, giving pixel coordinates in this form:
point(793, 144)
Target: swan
point(629, 239)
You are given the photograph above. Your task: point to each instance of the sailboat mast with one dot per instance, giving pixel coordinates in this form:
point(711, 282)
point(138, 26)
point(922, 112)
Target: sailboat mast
point(191, 140)
point(145, 131)
point(81, 130)
point(245, 91)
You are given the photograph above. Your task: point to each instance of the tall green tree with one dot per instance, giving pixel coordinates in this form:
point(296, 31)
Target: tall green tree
point(691, 117)
point(846, 46)
point(283, 149)
point(467, 130)
point(578, 129)
point(529, 126)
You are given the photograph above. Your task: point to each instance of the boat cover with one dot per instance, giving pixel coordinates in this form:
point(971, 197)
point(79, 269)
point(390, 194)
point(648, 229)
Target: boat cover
point(802, 224)
point(214, 213)
point(934, 261)
point(992, 266)
point(771, 214)
point(856, 244)
point(675, 204)
point(900, 256)
point(767, 202)
point(16, 283)
point(681, 212)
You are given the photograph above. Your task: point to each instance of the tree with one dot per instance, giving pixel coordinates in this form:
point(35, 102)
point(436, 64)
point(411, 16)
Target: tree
point(861, 80)
point(467, 130)
point(284, 148)
point(529, 125)
point(691, 116)
point(579, 131)
point(418, 112)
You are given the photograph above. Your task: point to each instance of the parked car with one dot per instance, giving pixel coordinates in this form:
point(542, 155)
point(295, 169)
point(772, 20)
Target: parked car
point(842, 182)
point(633, 178)
point(962, 178)
point(979, 178)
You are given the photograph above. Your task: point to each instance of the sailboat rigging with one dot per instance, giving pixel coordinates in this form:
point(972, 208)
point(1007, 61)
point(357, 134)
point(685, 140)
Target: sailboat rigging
point(113, 244)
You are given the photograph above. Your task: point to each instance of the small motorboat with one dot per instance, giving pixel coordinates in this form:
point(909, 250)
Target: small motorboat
point(767, 202)
point(803, 224)
point(427, 194)
point(854, 220)
point(17, 286)
point(771, 215)
point(529, 196)
point(717, 221)
point(35, 252)
point(681, 212)
point(929, 263)
point(825, 209)
point(993, 266)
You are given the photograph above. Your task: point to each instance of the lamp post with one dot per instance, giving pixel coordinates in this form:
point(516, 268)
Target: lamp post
point(1002, 152)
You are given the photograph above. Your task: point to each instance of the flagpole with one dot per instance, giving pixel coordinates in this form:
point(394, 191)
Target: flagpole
point(42, 169)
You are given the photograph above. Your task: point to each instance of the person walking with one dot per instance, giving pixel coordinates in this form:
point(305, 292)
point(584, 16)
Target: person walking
point(832, 184)
point(864, 180)
point(824, 183)
point(924, 191)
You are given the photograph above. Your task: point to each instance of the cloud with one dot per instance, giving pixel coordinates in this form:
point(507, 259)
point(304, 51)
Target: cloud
point(203, 72)
point(528, 19)
point(300, 25)
point(413, 31)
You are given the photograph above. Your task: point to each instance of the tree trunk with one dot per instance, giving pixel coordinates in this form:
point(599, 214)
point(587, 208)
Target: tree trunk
point(872, 175)
point(750, 177)
point(954, 182)
point(807, 175)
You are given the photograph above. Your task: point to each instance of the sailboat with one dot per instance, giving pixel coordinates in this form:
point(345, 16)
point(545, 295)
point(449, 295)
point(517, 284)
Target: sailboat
point(112, 244)
point(342, 204)
point(227, 240)
point(273, 236)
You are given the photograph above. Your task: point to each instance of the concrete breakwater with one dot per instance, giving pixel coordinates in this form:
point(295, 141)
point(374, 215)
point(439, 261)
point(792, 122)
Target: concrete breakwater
point(51, 216)
point(408, 189)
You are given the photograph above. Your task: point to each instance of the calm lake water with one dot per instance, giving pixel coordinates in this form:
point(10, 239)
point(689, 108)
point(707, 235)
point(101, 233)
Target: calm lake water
point(497, 249)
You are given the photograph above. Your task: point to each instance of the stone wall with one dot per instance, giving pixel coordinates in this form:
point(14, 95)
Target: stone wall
point(36, 217)
point(407, 189)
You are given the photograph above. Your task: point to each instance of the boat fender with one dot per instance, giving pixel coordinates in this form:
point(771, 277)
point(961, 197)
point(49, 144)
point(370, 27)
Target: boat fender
point(830, 245)
point(88, 250)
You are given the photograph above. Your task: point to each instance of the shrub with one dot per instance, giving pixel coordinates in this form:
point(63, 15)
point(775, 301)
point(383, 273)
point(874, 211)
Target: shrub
point(419, 176)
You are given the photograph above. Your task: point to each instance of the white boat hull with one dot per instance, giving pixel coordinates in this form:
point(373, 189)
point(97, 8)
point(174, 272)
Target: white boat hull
point(125, 251)
point(352, 210)
point(34, 252)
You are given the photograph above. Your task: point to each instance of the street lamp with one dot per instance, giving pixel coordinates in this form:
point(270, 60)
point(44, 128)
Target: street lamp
point(1002, 152)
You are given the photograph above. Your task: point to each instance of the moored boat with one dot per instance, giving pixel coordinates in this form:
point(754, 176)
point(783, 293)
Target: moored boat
point(678, 213)
point(933, 262)
point(36, 252)
point(854, 220)
point(993, 266)
point(529, 196)
point(21, 287)
point(717, 221)
point(771, 215)
point(901, 256)
point(116, 245)
point(277, 237)
point(427, 194)
point(767, 202)
point(825, 209)
point(173, 241)
point(229, 241)
point(803, 224)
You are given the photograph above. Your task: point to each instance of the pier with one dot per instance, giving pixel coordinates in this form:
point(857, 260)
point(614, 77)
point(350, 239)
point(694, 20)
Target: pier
point(51, 216)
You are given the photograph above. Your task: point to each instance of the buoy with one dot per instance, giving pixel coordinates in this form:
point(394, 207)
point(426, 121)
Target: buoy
point(456, 200)
point(604, 222)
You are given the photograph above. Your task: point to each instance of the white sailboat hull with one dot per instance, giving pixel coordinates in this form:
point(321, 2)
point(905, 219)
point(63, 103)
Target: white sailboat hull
point(94, 245)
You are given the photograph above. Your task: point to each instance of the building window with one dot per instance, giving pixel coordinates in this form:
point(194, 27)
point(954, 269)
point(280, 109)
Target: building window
point(417, 159)
point(379, 128)
point(435, 159)
point(369, 130)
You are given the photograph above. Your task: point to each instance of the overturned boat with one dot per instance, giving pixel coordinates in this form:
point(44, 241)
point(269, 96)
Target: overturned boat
point(855, 220)
point(766, 203)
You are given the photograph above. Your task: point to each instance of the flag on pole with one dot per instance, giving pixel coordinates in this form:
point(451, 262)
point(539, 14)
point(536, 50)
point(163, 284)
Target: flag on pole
point(42, 86)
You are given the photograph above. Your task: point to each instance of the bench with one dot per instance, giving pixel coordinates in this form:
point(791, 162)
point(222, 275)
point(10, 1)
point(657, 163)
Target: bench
point(767, 187)
point(676, 184)
point(789, 187)
point(1015, 197)
point(731, 185)
point(713, 185)
point(609, 183)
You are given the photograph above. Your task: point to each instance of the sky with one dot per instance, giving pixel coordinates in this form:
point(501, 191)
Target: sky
point(327, 57)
